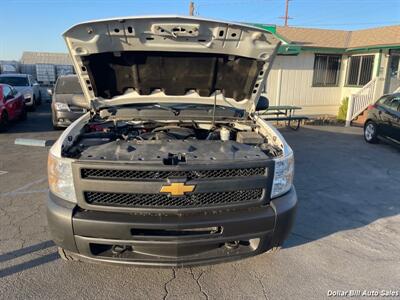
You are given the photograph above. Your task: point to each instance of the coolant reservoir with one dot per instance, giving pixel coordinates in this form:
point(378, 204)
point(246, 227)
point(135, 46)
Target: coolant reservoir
point(225, 134)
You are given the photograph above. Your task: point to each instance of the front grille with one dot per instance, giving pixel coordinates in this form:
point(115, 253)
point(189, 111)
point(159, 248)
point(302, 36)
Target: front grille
point(165, 201)
point(114, 174)
point(77, 109)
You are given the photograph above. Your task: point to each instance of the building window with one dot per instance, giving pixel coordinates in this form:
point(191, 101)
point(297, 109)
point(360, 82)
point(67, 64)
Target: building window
point(360, 69)
point(326, 70)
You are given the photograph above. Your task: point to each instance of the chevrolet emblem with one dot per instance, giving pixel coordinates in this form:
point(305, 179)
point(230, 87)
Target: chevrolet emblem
point(177, 189)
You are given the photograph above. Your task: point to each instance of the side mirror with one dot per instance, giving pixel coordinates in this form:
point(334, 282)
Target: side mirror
point(50, 92)
point(9, 97)
point(262, 104)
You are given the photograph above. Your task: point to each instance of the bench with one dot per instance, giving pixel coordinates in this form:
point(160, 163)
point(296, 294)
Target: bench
point(289, 119)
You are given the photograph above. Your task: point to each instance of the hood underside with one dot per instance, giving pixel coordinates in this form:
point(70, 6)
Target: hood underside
point(171, 60)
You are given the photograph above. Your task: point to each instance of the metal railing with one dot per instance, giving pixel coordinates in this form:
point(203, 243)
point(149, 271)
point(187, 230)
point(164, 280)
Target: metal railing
point(359, 101)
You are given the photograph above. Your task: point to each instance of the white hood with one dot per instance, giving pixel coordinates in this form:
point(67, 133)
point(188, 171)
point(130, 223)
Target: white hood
point(171, 59)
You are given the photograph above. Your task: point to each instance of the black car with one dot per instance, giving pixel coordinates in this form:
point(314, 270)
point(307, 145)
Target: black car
point(383, 119)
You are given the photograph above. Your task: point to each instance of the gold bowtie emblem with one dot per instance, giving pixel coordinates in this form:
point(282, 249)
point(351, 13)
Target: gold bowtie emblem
point(177, 189)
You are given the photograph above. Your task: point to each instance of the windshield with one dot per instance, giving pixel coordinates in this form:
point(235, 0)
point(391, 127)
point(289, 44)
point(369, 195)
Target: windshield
point(68, 85)
point(14, 80)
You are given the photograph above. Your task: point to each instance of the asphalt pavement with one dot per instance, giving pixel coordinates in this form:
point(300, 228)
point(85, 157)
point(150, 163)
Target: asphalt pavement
point(346, 235)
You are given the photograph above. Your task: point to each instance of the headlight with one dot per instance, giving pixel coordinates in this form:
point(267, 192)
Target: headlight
point(61, 183)
point(27, 96)
point(283, 175)
point(61, 106)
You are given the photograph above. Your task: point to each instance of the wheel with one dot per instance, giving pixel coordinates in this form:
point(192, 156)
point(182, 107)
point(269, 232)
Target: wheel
point(4, 121)
point(66, 255)
point(24, 114)
point(274, 250)
point(371, 132)
point(33, 106)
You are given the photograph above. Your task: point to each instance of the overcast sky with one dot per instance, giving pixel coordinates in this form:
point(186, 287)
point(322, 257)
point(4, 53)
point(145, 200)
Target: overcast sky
point(37, 25)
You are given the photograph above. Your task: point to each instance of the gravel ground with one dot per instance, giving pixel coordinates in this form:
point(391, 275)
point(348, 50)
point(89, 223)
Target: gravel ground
point(346, 236)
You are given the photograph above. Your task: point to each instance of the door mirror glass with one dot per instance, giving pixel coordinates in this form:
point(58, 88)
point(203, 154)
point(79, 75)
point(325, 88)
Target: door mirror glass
point(262, 104)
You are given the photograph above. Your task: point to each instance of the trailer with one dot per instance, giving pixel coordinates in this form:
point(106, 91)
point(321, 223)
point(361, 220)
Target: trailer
point(64, 70)
point(45, 73)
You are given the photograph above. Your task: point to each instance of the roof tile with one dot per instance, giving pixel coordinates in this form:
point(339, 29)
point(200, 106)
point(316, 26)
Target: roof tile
point(311, 37)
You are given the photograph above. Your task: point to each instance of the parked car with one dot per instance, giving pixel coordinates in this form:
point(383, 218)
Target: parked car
point(26, 85)
point(171, 166)
point(383, 120)
point(67, 101)
point(12, 106)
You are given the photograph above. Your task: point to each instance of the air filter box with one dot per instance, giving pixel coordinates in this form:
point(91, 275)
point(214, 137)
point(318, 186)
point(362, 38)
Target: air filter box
point(249, 137)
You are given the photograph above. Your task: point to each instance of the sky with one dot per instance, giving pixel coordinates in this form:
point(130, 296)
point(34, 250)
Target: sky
point(37, 25)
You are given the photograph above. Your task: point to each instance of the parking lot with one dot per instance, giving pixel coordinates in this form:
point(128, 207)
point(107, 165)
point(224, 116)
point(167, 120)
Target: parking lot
point(346, 235)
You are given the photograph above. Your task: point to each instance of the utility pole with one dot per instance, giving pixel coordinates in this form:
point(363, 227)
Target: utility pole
point(286, 17)
point(191, 8)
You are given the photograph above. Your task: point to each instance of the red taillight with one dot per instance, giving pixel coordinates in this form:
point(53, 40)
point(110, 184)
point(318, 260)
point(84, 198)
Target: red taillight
point(372, 106)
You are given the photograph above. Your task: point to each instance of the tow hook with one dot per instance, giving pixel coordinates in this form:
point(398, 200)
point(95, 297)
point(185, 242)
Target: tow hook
point(119, 249)
point(232, 244)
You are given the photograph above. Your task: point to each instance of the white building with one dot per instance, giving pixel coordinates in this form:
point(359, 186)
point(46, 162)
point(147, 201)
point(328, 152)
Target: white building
point(317, 68)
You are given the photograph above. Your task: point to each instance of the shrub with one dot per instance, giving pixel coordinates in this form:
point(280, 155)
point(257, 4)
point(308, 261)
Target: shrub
point(343, 109)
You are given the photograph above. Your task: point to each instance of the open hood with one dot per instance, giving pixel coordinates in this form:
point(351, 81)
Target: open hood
point(171, 59)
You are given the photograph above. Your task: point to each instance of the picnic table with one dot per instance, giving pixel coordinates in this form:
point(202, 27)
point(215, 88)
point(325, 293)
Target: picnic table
point(285, 113)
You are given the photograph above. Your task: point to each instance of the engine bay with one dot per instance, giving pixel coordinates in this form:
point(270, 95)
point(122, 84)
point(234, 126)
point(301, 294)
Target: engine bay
point(171, 143)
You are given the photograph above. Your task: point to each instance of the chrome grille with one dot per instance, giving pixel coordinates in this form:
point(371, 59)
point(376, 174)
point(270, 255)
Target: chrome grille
point(119, 174)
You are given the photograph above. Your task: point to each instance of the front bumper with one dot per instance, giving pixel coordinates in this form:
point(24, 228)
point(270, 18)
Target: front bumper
point(65, 118)
point(170, 239)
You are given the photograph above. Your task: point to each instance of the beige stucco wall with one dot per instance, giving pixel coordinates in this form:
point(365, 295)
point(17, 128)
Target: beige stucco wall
point(290, 83)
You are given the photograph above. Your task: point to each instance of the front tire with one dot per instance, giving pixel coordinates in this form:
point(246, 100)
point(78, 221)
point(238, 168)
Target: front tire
point(39, 99)
point(24, 114)
point(3, 121)
point(371, 132)
point(33, 106)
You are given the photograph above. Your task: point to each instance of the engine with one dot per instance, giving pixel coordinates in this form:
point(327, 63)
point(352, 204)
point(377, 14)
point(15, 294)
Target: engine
point(170, 143)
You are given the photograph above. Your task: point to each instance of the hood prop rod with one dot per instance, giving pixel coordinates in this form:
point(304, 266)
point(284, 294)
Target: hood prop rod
point(214, 108)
